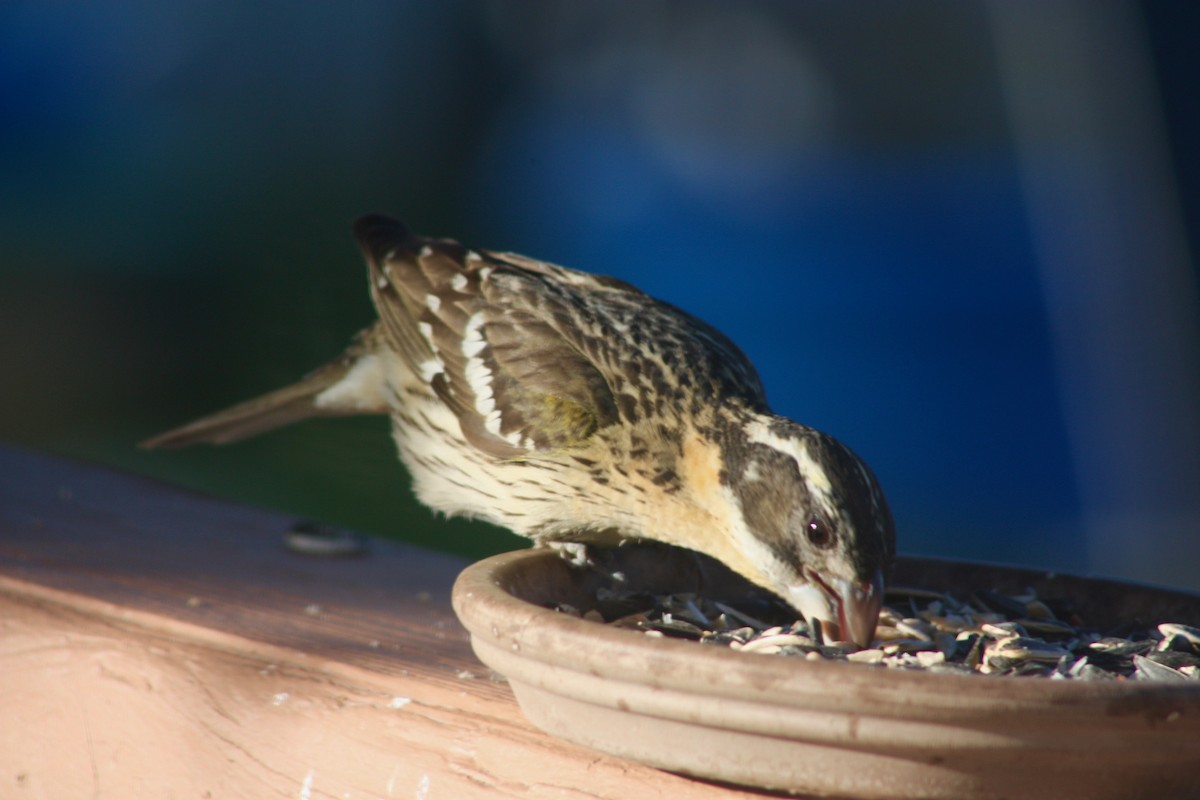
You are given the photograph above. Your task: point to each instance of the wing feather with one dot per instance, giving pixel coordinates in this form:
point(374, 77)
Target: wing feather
point(531, 356)
point(475, 327)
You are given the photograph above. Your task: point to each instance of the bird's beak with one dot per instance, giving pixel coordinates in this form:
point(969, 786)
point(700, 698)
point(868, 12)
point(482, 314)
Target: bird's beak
point(858, 609)
point(848, 611)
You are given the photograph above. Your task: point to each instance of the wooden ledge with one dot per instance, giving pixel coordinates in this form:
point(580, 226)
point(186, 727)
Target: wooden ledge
point(156, 643)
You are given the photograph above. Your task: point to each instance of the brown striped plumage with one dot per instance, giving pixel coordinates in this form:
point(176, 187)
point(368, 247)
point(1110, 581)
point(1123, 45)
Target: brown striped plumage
point(574, 407)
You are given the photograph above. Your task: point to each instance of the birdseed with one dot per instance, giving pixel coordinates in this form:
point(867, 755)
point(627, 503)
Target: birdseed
point(986, 633)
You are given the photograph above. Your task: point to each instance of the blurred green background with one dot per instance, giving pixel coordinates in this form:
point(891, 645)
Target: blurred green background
point(958, 235)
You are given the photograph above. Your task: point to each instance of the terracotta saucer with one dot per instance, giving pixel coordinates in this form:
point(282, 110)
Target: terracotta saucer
point(832, 729)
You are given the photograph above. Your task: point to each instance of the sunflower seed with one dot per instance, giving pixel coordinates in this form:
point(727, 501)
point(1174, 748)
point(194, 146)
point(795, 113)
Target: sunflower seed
point(1121, 647)
point(1148, 670)
point(1002, 629)
point(991, 633)
point(928, 658)
point(1173, 659)
point(916, 629)
point(745, 619)
point(1000, 604)
point(907, 646)
point(872, 656)
point(1047, 627)
point(778, 640)
point(1174, 629)
point(1036, 609)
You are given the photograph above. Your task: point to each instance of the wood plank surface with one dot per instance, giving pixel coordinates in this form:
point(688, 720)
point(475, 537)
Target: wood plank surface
point(159, 644)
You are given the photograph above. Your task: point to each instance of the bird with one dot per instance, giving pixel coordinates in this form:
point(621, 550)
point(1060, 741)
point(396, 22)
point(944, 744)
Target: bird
point(574, 408)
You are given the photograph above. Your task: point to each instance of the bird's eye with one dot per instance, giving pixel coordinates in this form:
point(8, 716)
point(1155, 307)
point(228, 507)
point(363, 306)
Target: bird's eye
point(819, 534)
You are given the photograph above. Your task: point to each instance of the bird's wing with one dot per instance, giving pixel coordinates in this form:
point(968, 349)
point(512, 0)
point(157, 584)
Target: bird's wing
point(488, 338)
point(655, 357)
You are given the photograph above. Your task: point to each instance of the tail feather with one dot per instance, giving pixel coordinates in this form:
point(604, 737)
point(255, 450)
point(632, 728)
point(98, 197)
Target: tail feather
point(311, 396)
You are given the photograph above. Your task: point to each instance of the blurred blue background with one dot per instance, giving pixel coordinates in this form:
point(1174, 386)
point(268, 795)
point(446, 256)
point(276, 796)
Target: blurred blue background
point(957, 235)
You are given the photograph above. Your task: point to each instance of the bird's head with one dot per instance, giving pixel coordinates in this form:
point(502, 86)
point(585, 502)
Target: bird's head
point(812, 524)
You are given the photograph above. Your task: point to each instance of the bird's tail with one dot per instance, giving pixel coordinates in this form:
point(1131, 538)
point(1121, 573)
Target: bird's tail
point(351, 384)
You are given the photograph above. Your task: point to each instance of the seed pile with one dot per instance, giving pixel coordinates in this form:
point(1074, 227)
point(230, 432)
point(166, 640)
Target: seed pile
point(989, 633)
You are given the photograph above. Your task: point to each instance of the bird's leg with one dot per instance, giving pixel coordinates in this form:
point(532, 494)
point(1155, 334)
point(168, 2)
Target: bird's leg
point(574, 553)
